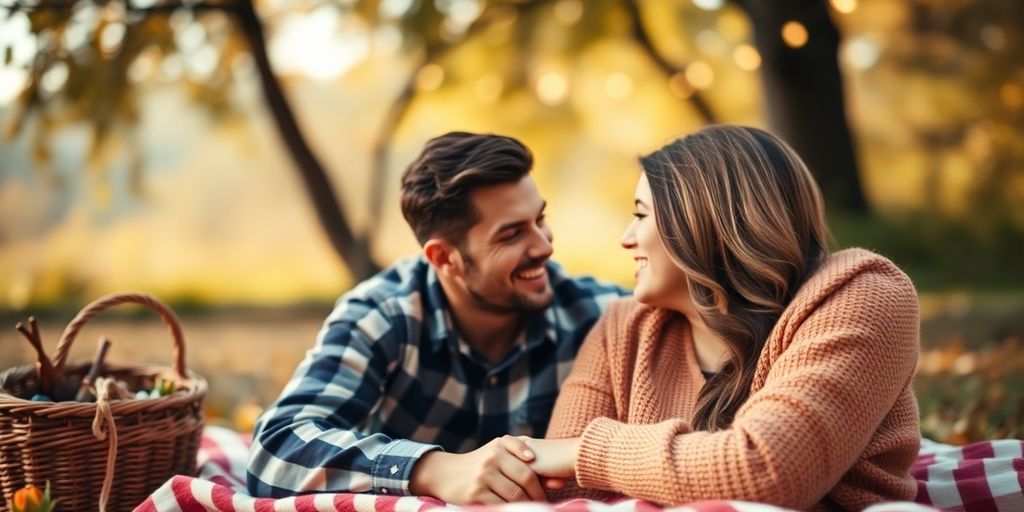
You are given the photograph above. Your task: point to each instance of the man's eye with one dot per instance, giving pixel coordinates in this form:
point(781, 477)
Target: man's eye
point(512, 235)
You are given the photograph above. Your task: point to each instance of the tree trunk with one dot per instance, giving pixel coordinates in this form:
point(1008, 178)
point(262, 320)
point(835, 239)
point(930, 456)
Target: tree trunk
point(354, 252)
point(803, 94)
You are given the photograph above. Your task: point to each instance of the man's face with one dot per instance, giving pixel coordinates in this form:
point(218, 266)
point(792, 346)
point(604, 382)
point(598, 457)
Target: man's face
point(505, 252)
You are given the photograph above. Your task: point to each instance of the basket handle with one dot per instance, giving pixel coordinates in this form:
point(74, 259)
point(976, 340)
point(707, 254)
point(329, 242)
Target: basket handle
point(107, 301)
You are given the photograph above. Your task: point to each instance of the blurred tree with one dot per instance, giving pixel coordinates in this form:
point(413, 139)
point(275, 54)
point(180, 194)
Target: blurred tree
point(87, 48)
point(800, 75)
point(437, 37)
point(354, 251)
point(90, 46)
point(971, 56)
point(804, 92)
point(88, 51)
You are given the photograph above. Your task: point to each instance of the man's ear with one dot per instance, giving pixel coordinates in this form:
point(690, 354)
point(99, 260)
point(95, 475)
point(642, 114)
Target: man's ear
point(444, 257)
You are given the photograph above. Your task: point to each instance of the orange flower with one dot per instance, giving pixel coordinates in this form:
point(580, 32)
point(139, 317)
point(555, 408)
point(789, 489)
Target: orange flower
point(31, 499)
point(27, 498)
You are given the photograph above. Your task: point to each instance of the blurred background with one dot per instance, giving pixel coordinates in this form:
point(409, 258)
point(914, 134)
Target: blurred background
point(240, 158)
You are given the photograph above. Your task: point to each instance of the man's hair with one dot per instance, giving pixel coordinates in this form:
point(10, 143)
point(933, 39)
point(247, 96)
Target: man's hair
point(437, 186)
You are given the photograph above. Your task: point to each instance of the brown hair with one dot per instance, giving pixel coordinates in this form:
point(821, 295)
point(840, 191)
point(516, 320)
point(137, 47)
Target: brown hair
point(741, 214)
point(436, 187)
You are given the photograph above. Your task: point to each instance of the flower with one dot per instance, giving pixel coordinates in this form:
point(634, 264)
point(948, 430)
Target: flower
point(31, 499)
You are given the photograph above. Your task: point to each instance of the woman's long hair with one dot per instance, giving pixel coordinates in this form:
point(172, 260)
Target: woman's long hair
point(741, 214)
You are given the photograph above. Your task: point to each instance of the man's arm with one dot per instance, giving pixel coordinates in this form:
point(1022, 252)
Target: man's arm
point(309, 440)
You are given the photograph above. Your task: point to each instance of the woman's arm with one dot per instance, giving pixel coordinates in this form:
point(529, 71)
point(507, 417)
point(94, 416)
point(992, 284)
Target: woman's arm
point(585, 395)
point(823, 399)
point(587, 392)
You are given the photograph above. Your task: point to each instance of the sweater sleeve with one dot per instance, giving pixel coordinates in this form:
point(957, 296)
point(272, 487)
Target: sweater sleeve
point(823, 398)
point(587, 392)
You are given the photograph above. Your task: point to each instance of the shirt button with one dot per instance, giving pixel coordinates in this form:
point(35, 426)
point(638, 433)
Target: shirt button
point(383, 490)
point(494, 380)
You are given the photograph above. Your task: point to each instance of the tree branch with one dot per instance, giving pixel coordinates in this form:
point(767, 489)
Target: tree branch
point(353, 251)
point(644, 39)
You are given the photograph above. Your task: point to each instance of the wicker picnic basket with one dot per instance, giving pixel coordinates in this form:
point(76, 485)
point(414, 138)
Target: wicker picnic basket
point(109, 454)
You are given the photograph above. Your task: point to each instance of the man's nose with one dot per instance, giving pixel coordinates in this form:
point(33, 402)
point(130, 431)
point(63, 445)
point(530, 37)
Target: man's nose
point(541, 247)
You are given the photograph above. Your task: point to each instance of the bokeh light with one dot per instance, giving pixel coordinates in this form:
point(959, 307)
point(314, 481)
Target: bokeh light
point(680, 86)
point(844, 6)
point(746, 57)
point(429, 77)
point(794, 34)
point(618, 86)
point(552, 88)
point(568, 12)
point(700, 74)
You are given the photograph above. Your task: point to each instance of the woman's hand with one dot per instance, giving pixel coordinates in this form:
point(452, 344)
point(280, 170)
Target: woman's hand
point(554, 460)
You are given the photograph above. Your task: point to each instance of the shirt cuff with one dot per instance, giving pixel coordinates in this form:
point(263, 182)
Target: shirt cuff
point(392, 468)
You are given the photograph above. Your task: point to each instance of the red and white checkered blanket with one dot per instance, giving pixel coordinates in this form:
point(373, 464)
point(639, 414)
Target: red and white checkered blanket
point(986, 476)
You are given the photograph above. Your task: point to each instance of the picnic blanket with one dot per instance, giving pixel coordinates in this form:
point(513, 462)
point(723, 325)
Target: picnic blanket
point(986, 476)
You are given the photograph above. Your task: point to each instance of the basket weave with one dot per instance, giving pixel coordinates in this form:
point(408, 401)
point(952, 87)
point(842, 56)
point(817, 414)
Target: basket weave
point(107, 455)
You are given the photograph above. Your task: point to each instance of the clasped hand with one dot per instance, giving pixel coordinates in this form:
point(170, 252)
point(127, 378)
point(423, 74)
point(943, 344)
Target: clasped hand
point(506, 469)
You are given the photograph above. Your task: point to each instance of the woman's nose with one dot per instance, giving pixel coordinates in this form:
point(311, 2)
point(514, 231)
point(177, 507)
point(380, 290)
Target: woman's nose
point(628, 238)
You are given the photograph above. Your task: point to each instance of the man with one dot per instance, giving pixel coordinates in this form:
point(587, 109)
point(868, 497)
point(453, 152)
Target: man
point(418, 370)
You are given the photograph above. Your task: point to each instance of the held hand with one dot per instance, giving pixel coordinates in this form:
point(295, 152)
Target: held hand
point(552, 459)
point(487, 475)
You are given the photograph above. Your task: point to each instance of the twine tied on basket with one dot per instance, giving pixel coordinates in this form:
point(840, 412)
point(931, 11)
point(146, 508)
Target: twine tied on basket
point(104, 418)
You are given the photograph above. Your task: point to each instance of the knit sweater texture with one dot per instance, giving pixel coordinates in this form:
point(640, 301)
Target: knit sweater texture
point(831, 420)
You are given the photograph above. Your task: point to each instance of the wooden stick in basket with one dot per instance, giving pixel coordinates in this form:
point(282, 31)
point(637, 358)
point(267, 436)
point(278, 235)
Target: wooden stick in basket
point(84, 394)
point(48, 375)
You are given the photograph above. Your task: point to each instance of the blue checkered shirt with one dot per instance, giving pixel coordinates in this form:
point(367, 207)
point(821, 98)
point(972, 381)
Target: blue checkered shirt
point(389, 380)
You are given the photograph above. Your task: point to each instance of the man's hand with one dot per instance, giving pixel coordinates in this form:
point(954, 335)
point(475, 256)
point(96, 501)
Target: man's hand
point(552, 459)
point(489, 475)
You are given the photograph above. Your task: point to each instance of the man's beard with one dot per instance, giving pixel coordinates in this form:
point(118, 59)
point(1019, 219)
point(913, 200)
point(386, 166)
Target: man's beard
point(514, 303)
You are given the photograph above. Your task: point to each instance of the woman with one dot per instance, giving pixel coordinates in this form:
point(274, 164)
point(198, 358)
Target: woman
point(752, 364)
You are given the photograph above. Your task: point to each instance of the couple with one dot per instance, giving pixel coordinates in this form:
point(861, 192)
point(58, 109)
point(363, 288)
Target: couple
point(751, 363)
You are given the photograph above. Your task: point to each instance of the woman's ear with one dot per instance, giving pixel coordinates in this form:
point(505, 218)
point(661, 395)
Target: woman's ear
point(444, 257)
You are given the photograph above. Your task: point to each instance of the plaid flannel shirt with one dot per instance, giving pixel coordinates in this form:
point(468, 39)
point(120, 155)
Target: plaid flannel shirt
point(389, 379)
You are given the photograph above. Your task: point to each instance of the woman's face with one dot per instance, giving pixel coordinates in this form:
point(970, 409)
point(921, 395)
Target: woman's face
point(659, 281)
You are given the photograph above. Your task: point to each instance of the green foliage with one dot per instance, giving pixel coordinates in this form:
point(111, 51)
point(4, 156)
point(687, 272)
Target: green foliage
point(92, 58)
point(940, 253)
point(956, 86)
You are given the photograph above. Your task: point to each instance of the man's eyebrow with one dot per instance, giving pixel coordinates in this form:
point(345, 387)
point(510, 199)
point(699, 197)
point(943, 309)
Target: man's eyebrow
point(518, 223)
